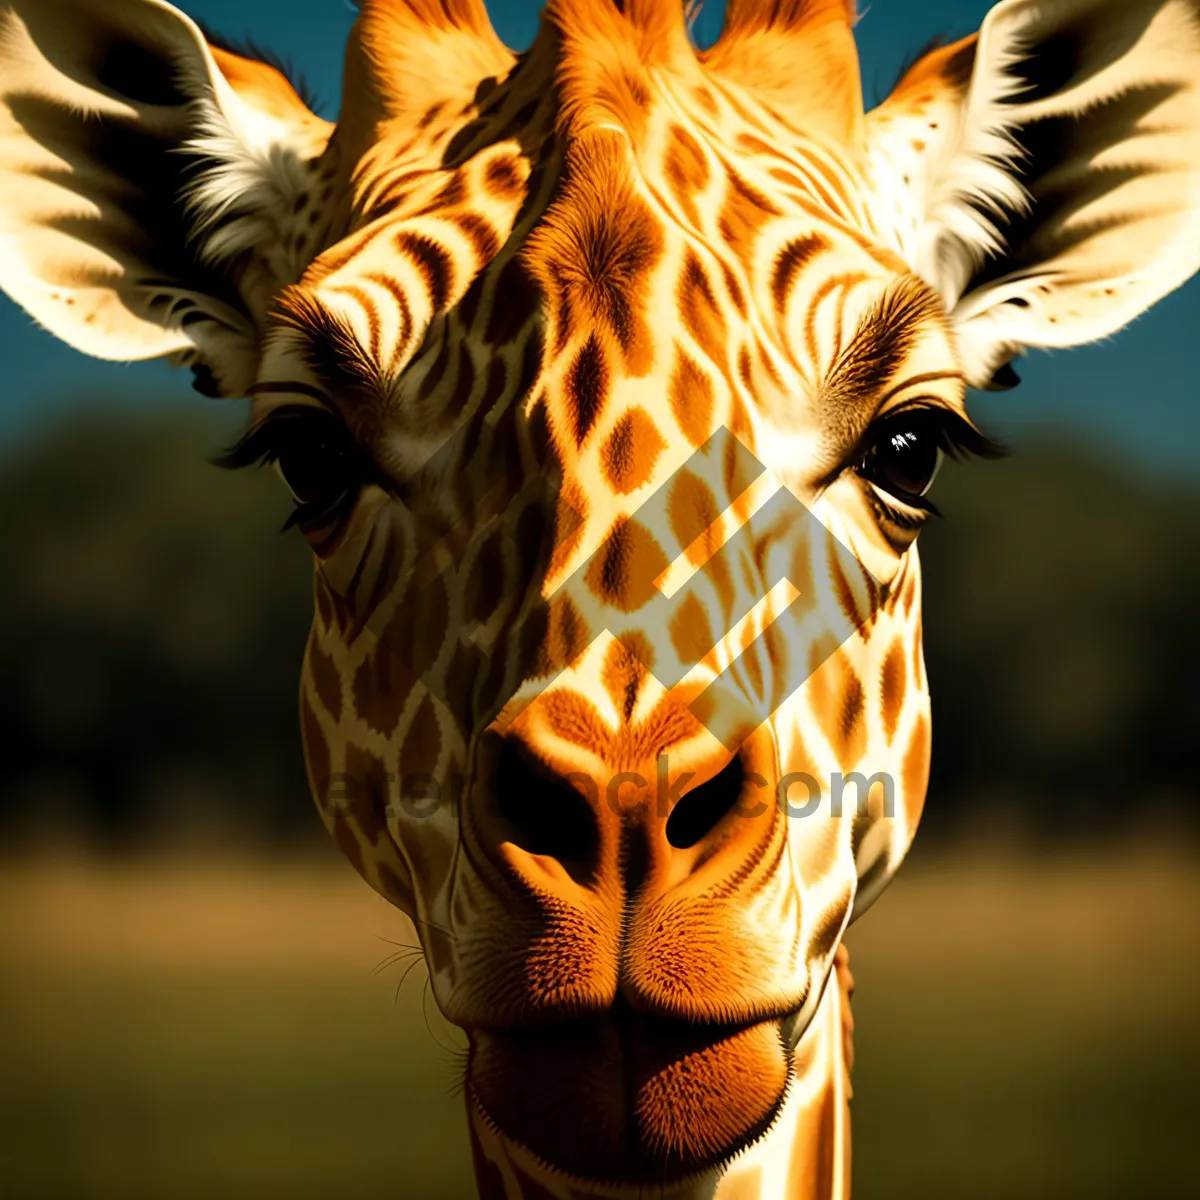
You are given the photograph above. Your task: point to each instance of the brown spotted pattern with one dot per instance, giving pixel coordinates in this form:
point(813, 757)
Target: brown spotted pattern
point(563, 302)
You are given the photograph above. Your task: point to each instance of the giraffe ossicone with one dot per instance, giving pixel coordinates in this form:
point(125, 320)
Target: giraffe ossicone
point(610, 380)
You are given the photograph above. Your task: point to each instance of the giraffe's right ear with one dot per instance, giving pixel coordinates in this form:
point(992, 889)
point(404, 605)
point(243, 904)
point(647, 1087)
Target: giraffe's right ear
point(147, 183)
point(1045, 176)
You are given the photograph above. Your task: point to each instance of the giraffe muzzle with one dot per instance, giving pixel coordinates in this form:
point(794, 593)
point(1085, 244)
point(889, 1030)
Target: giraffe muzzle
point(646, 1042)
point(628, 1098)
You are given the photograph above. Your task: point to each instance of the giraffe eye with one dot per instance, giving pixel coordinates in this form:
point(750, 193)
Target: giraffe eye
point(314, 454)
point(904, 455)
point(314, 461)
point(905, 449)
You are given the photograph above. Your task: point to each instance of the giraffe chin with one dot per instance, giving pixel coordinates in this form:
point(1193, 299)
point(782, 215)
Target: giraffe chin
point(631, 1099)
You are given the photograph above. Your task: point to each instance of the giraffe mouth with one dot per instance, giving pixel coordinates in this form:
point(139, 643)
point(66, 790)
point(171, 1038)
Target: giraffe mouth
point(628, 1098)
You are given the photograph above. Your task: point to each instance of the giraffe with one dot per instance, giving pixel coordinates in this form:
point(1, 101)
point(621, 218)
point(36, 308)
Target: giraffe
point(502, 310)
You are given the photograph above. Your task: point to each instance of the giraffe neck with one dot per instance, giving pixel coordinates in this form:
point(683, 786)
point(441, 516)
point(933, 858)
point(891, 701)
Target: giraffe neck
point(804, 1156)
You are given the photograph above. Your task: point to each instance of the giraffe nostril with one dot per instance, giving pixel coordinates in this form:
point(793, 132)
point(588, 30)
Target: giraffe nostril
point(544, 814)
point(698, 812)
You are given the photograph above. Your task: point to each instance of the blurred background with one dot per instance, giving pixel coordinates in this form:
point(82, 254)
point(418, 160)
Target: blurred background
point(197, 994)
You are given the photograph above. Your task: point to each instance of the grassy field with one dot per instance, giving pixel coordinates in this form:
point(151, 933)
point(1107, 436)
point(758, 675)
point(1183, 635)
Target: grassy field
point(1025, 1027)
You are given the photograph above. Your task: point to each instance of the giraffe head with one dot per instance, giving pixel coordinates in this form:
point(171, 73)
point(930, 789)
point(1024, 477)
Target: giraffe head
point(610, 380)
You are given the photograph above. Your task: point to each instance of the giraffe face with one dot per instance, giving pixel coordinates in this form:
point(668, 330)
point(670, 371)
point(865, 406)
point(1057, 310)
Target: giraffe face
point(609, 382)
point(624, 595)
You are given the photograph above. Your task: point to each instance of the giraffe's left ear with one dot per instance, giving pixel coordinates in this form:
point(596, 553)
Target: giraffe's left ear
point(1044, 177)
point(150, 184)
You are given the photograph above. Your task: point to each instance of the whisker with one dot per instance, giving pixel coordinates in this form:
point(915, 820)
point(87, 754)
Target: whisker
point(390, 942)
point(459, 1062)
point(416, 962)
point(393, 959)
point(425, 994)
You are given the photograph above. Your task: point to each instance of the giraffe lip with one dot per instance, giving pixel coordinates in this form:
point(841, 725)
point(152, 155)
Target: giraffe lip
point(629, 1017)
point(628, 1097)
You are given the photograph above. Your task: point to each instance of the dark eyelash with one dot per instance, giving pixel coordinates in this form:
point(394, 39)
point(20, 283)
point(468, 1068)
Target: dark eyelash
point(261, 443)
point(957, 436)
point(307, 516)
point(905, 521)
point(264, 443)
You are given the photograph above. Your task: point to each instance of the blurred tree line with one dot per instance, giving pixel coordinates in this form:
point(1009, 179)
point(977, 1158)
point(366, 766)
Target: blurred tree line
point(1062, 641)
point(152, 625)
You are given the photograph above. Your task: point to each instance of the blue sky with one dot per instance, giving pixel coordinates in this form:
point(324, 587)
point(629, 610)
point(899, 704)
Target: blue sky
point(1136, 394)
